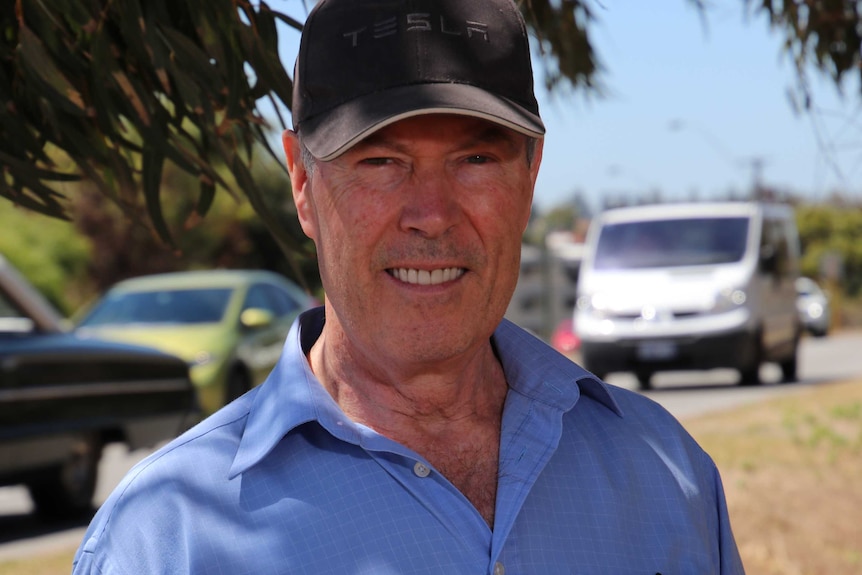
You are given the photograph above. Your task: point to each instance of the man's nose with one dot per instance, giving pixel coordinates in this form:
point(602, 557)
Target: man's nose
point(431, 207)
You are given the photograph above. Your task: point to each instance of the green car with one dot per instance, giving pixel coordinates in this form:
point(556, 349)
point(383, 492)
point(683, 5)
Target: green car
point(228, 325)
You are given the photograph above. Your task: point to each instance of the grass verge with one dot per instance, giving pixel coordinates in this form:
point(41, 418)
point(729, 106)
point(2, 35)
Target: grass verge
point(51, 564)
point(792, 470)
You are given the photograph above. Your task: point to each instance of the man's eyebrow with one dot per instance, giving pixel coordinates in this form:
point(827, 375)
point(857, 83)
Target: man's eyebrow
point(377, 139)
point(493, 134)
point(490, 134)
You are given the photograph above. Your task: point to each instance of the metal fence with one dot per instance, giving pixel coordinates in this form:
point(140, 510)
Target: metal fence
point(546, 290)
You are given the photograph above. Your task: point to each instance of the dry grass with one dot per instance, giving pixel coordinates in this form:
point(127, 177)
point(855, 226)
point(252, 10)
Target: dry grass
point(53, 564)
point(792, 470)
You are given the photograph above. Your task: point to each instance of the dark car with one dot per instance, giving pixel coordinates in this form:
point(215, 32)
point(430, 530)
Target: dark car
point(63, 398)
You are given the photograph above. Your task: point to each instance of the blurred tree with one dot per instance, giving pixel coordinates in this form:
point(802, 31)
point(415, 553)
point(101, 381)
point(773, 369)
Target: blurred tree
point(829, 230)
point(72, 263)
point(234, 236)
point(112, 91)
point(562, 217)
point(48, 252)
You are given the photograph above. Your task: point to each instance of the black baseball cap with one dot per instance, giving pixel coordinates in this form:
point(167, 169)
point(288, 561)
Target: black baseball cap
point(364, 64)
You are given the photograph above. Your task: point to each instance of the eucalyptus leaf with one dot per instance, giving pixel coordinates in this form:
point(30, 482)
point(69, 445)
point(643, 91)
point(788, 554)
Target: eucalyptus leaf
point(153, 162)
point(122, 87)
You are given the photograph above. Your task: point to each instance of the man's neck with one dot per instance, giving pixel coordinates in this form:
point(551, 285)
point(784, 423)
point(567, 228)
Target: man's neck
point(385, 396)
point(452, 418)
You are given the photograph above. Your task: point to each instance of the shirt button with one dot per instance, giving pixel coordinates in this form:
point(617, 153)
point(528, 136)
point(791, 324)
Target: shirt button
point(421, 470)
point(499, 569)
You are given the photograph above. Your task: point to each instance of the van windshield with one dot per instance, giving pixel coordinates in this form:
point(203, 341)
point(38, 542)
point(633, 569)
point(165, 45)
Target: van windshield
point(671, 243)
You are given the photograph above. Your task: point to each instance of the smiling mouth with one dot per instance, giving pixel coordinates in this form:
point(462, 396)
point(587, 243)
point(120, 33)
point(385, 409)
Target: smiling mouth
point(426, 277)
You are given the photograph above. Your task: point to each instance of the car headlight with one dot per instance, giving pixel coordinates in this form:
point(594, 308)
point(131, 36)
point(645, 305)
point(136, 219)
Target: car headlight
point(815, 310)
point(729, 299)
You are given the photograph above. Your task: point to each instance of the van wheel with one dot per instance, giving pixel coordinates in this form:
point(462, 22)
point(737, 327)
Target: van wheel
point(789, 366)
point(644, 379)
point(789, 369)
point(750, 375)
point(600, 373)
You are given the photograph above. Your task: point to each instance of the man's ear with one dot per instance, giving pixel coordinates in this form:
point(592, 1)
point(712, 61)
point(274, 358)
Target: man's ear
point(537, 160)
point(300, 183)
point(534, 175)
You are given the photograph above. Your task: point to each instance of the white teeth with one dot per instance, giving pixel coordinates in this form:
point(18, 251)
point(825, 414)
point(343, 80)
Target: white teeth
point(425, 277)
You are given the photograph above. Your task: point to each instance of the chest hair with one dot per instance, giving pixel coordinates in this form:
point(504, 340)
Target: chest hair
point(471, 464)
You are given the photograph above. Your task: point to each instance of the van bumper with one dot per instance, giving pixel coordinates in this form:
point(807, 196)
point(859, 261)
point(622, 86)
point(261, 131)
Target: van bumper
point(735, 349)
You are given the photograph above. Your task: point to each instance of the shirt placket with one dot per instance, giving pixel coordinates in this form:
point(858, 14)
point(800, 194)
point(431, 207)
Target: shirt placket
point(530, 436)
point(442, 501)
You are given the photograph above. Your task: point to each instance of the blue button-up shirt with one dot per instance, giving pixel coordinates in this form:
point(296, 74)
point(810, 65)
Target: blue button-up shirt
point(593, 480)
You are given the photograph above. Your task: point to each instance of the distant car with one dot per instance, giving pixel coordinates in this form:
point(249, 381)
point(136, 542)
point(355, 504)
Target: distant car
point(229, 325)
point(62, 399)
point(813, 306)
point(564, 339)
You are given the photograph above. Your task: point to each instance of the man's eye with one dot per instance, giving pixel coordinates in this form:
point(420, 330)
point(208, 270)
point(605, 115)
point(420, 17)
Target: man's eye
point(477, 159)
point(376, 161)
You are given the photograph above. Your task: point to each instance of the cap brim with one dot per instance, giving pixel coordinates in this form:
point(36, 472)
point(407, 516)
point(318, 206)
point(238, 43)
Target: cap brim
point(329, 134)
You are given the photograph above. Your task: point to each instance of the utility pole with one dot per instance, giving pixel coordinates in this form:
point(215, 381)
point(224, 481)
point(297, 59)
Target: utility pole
point(754, 163)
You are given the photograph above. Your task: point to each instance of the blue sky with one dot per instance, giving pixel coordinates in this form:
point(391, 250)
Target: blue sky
point(723, 87)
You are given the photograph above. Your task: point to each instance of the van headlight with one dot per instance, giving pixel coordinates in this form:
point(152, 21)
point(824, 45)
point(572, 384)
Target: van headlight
point(729, 299)
point(597, 304)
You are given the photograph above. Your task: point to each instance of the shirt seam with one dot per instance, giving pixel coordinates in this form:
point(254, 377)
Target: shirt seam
point(144, 465)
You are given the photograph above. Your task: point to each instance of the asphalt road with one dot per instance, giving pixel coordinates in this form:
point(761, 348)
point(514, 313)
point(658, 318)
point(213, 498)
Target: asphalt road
point(685, 394)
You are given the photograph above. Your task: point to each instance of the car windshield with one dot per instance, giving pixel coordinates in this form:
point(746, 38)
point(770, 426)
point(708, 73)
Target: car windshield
point(806, 288)
point(671, 242)
point(183, 306)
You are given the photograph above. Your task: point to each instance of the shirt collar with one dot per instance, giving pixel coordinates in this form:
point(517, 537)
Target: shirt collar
point(541, 374)
point(292, 396)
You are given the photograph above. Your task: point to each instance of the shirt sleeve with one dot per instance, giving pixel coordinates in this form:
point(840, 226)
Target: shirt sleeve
point(731, 562)
point(84, 562)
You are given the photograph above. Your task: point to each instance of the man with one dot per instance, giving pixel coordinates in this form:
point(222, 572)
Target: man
point(407, 428)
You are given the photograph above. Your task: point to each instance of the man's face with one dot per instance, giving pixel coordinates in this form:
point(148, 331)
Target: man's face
point(418, 232)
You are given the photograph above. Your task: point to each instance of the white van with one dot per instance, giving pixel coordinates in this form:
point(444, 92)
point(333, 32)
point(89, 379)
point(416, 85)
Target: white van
point(690, 286)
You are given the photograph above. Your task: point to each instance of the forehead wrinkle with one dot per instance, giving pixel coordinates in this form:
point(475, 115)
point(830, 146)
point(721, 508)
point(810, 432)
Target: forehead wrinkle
point(380, 139)
point(487, 134)
point(493, 134)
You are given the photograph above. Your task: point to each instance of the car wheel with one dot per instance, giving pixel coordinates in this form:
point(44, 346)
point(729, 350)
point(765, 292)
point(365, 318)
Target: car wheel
point(237, 384)
point(66, 491)
point(644, 379)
